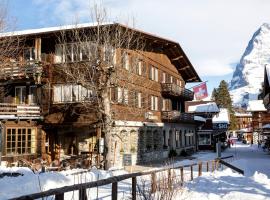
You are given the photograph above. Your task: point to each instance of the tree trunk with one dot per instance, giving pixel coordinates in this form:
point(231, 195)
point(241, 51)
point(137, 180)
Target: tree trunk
point(107, 129)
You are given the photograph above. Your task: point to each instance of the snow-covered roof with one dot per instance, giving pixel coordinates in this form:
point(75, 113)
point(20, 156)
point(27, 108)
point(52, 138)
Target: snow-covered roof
point(204, 108)
point(52, 29)
point(256, 105)
point(199, 118)
point(222, 116)
point(266, 126)
point(243, 114)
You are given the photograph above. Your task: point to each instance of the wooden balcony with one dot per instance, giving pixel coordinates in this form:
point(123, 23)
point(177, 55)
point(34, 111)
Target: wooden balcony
point(19, 70)
point(176, 116)
point(15, 111)
point(266, 101)
point(171, 89)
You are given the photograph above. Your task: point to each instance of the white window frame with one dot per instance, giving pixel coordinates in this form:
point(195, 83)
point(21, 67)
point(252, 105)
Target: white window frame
point(154, 103)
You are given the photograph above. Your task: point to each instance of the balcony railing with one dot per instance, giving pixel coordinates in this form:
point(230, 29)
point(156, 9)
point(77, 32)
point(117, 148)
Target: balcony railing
point(176, 90)
point(15, 111)
point(20, 70)
point(177, 116)
point(266, 101)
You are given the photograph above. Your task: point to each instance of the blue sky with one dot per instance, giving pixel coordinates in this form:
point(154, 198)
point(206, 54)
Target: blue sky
point(213, 33)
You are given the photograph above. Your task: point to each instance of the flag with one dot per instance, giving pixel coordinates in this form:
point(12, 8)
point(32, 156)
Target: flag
point(200, 91)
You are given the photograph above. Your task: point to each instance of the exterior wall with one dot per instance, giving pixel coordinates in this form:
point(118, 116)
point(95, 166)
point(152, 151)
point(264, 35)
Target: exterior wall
point(69, 133)
point(243, 122)
point(146, 143)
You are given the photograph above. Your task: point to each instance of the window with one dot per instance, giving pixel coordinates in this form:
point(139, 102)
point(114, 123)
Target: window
point(109, 55)
point(154, 103)
point(139, 68)
point(20, 141)
point(177, 139)
point(166, 105)
point(153, 74)
point(120, 96)
point(204, 139)
point(63, 93)
point(125, 60)
point(32, 94)
point(163, 77)
point(29, 53)
point(137, 99)
point(20, 94)
point(72, 52)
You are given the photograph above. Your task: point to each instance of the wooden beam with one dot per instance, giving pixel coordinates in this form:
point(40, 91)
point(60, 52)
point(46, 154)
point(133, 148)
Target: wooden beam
point(184, 68)
point(177, 58)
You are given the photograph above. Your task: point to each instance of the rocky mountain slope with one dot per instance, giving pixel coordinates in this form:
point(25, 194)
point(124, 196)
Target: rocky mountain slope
point(248, 75)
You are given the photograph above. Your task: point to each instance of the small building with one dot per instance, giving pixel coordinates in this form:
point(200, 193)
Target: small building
point(215, 127)
point(260, 118)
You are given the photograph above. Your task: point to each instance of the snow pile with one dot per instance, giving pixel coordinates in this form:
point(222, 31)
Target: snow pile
point(227, 185)
point(248, 75)
point(33, 183)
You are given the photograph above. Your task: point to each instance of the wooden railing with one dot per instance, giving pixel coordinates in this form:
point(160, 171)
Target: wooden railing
point(176, 116)
point(176, 90)
point(20, 69)
point(15, 111)
point(172, 174)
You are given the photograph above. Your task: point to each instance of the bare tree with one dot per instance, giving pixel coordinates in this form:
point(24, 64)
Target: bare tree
point(98, 60)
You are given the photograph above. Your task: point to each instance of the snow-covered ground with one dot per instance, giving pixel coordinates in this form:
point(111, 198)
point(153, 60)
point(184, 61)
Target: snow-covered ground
point(223, 184)
point(226, 184)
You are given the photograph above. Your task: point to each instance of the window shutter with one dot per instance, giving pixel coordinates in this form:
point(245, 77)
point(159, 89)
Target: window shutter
point(139, 99)
point(150, 72)
point(57, 93)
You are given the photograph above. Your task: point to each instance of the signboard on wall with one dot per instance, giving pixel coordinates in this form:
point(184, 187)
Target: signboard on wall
point(127, 160)
point(220, 126)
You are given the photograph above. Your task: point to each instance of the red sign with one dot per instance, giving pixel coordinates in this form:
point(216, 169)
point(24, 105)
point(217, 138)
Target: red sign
point(200, 91)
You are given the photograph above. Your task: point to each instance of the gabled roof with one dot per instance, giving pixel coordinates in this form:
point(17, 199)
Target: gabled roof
point(172, 49)
point(256, 106)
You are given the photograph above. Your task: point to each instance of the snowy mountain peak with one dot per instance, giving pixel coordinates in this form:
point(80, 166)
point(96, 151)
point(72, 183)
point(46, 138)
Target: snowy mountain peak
point(248, 75)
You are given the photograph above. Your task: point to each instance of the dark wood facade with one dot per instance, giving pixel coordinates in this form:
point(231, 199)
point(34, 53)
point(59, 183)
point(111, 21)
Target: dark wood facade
point(63, 127)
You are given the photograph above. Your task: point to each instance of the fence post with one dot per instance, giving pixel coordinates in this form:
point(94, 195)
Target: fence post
point(200, 169)
point(82, 194)
point(153, 183)
point(182, 175)
point(191, 172)
point(213, 165)
point(134, 182)
point(169, 179)
point(207, 166)
point(114, 191)
point(217, 164)
point(59, 196)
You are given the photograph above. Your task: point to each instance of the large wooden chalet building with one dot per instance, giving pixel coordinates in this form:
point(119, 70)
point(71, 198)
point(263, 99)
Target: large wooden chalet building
point(41, 113)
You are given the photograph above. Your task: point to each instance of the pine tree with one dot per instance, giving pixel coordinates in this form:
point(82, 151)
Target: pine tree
point(223, 99)
point(214, 94)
